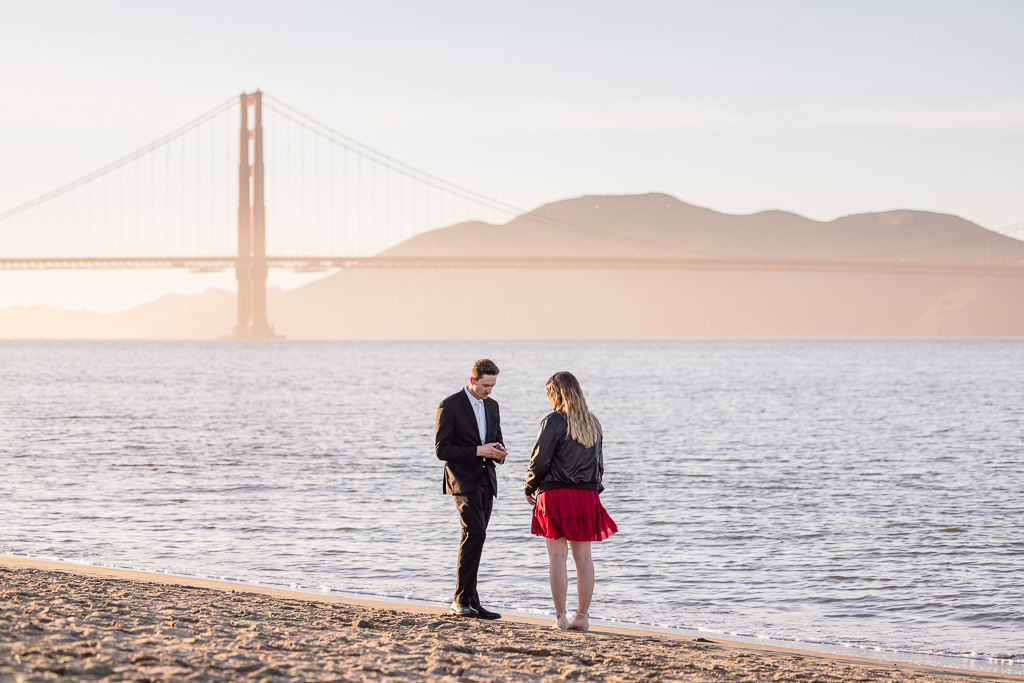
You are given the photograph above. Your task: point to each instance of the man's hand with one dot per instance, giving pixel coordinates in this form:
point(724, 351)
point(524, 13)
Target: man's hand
point(494, 451)
point(531, 498)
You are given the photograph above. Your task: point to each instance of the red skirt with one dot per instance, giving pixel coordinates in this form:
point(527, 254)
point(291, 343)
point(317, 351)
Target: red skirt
point(576, 514)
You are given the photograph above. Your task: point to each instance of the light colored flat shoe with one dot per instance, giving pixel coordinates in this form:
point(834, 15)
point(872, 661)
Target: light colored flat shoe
point(580, 622)
point(561, 623)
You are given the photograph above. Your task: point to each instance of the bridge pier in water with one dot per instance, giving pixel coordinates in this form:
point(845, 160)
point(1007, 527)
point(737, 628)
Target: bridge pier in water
point(251, 264)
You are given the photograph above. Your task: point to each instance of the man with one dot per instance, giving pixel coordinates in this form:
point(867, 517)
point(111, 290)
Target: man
point(467, 437)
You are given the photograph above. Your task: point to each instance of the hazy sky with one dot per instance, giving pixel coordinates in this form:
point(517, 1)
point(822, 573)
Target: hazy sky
point(824, 109)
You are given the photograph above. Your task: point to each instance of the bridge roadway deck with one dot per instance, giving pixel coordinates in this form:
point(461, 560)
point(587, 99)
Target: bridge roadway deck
point(319, 263)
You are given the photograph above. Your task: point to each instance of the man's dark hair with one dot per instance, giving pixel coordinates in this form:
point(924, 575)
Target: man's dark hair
point(482, 367)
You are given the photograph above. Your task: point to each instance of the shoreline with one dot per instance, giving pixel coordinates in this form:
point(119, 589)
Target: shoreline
point(654, 648)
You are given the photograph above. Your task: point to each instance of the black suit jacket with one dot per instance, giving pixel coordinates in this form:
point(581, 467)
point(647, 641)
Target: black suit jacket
point(455, 440)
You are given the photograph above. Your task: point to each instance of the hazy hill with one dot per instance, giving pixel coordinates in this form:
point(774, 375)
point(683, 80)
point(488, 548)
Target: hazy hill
point(496, 303)
point(174, 316)
point(540, 304)
point(625, 303)
point(658, 225)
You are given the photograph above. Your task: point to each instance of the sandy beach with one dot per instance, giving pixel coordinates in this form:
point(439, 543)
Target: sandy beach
point(65, 621)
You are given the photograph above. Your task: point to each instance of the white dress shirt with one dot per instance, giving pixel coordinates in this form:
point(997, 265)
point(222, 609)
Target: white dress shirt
point(478, 410)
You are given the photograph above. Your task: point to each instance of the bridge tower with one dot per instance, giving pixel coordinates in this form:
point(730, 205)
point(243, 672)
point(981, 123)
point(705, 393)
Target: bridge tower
point(251, 265)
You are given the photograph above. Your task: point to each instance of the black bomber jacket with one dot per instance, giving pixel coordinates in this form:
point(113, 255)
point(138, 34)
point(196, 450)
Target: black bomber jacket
point(560, 462)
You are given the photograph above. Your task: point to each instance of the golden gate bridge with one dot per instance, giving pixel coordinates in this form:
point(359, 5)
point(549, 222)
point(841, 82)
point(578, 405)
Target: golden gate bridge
point(336, 203)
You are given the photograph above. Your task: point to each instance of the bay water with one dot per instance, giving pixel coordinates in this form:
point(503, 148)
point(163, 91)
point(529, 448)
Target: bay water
point(856, 492)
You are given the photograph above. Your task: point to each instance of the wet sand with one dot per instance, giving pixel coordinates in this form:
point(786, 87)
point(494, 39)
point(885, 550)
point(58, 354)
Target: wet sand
point(76, 622)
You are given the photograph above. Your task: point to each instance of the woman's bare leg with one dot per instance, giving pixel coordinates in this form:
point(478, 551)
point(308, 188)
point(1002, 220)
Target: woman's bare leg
point(557, 555)
point(584, 582)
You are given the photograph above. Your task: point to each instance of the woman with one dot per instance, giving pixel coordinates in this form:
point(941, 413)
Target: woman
point(562, 485)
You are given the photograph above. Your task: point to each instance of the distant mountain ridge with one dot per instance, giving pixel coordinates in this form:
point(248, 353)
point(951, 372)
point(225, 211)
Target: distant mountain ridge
point(660, 226)
point(495, 303)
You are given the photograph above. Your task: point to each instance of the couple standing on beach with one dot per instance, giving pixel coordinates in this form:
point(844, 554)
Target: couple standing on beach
point(562, 484)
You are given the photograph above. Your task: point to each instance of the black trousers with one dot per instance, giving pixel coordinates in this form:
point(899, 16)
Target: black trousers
point(474, 514)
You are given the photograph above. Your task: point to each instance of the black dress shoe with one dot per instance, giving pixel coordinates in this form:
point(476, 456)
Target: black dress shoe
point(463, 610)
point(482, 613)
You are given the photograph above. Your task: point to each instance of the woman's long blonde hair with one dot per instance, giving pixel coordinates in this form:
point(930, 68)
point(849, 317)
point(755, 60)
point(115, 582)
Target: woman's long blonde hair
point(566, 398)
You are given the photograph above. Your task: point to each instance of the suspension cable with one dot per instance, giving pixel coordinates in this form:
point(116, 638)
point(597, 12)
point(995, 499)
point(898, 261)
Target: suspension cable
point(365, 152)
point(191, 125)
